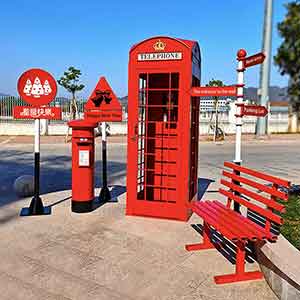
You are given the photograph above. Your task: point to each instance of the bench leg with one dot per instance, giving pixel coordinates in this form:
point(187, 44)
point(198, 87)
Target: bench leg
point(206, 244)
point(240, 274)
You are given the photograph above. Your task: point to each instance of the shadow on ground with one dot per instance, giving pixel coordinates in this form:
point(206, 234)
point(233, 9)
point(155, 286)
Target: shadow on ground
point(203, 184)
point(226, 247)
point(55, 173)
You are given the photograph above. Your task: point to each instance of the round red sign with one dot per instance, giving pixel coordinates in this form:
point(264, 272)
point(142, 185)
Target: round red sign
point(37, 87)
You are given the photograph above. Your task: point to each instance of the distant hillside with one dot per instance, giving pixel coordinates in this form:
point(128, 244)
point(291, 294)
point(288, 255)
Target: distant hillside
point(275, 94)
point(3, 95)
point(124, 101)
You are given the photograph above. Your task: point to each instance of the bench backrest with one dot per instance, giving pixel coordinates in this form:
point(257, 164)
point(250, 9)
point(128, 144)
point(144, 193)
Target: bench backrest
point(259, 192)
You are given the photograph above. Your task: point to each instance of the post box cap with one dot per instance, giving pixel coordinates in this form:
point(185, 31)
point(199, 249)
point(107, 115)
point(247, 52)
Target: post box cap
point(82, 124)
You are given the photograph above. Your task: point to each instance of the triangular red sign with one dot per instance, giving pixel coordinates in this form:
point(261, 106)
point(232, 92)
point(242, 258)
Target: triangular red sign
point(103, 105)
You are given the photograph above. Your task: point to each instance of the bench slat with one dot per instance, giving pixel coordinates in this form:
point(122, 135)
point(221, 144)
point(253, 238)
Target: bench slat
point(255, 196)
point(266, 213)
point(234, 220)
point(257, 174)
point(263, 234)
point(211, 221)
point(230, 223)
point(272, 191)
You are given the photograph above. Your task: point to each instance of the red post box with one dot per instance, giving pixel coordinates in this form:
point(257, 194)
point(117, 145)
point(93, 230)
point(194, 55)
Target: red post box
point(83, 158)
point(163, 128)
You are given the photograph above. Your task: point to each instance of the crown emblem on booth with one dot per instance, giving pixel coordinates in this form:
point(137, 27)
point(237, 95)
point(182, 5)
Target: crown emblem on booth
point(159, 46)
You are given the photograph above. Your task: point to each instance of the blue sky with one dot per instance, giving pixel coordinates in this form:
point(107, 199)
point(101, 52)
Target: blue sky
point(95, 36)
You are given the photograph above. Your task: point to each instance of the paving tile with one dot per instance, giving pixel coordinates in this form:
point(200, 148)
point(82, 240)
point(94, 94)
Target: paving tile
point(178, 283)
point(104, 293)
point(13, 288)
point(46, 277)
point(62, 258)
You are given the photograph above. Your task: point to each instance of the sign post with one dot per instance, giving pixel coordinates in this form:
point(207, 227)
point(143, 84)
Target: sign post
point(241, 55)
point(103, 106)
point(38, 88)
point(105, 195)
point(36, 205)
point(243, 63)
point(242, 109)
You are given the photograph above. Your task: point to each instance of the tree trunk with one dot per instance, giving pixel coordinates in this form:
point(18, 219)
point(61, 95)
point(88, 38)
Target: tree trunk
point(294, 119)
point(293, 122)
point(74, 108)
point(73, 112)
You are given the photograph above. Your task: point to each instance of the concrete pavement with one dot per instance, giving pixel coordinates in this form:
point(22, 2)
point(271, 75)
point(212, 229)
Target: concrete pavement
point(106, 255)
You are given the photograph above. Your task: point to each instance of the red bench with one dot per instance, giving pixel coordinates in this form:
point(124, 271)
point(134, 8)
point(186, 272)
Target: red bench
point(258, 193)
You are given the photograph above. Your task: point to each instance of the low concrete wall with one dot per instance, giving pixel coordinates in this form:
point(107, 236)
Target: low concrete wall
point(280, 263)
point(27, 128)
point(276, 126)
point(57, 129)
point(22, 128)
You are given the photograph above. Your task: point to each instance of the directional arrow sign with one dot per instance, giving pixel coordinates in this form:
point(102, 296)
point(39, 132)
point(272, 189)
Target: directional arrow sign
point(254, 110)
point(253, 60)
point(213, 91)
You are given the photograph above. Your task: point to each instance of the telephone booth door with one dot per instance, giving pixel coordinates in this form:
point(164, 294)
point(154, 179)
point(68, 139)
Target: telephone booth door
point(158, 139)
point(158, 149)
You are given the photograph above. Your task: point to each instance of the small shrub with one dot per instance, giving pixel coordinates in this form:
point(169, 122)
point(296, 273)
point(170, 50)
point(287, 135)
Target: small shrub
point(291, 227)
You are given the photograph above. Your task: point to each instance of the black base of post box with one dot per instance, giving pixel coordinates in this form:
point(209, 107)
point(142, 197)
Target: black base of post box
point(82, 206)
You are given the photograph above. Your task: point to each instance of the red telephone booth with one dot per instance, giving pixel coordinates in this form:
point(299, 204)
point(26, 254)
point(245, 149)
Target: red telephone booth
point(163, 122)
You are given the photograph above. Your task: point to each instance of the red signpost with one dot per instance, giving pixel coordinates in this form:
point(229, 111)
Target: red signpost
point(103, 106)
point(38, 88)
point(253, 60)
point(211, 91)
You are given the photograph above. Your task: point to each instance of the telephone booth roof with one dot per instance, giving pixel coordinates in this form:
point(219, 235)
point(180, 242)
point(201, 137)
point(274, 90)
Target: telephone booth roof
point(148, 45)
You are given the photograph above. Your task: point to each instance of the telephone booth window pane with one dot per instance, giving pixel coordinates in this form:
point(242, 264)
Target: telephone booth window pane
point(159, 81)
point(143, 81)
point(174, 80)
point(174, 98)
point(141, 135)
point(158, 98)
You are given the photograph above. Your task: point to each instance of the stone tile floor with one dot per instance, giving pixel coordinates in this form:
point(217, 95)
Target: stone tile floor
point(107, 255)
